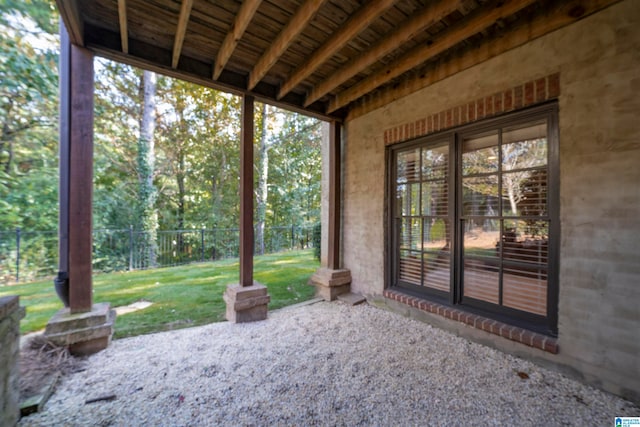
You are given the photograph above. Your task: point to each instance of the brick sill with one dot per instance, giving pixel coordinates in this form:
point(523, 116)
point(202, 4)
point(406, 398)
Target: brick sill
point(513, 333)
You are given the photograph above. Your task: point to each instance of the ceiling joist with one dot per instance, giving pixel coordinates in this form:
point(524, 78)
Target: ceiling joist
point(243, 18)
point(480, 20)
point(294, 27)
point(124, 31)
point(354, 25)
point(429, 16)
point(183, 20)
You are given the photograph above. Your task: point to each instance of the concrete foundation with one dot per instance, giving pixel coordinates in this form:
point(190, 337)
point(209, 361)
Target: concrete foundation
point(331, 283)
point(84, 333)
point(246, 303)
point(10, 315)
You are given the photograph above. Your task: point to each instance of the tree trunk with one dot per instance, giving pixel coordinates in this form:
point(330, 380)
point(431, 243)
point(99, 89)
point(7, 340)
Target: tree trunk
point(147, 193)
point(263, 175)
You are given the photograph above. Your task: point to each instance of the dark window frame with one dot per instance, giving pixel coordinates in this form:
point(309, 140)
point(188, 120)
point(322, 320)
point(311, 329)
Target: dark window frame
point(453, 137)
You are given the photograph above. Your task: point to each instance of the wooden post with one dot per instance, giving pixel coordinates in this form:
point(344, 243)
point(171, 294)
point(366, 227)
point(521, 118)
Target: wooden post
point(76, 170)
point(333, 256)
point(246, 193)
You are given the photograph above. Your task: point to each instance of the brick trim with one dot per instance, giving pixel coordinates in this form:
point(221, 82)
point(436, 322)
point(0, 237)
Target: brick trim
point(513, 333)
point(524, 95)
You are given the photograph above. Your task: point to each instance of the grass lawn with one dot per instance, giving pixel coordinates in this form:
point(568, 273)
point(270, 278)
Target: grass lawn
point(182, 296)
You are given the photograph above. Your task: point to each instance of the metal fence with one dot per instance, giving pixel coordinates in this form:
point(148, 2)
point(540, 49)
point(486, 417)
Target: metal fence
point(30, 255)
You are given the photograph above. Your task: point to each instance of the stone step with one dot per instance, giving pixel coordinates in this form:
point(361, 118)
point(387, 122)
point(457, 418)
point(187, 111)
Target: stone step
point(351, 298)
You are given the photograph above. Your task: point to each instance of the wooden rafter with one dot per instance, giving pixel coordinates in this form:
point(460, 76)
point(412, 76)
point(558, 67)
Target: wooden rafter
point(420, 54)
point(559, 17)
point(354, 25)
point(243, 18)
point(73, 23)
point(185, 11)
point(294, 27)
point(124, 31)
point(409, 29)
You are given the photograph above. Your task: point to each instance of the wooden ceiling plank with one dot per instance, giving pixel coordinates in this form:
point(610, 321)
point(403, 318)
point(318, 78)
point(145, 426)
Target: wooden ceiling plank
point(243, 18)
point(405, 32)
point(73, 23)
point(124, 31)
point(183, 20)
point(294, 27)
point(423, 53)
point(354, 25)
point(540, 25)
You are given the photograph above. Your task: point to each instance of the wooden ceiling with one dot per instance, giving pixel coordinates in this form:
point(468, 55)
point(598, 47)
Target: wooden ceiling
point(321, 57)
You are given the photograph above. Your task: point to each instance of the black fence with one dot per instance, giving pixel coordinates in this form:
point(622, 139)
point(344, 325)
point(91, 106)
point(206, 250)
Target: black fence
point(30, 255)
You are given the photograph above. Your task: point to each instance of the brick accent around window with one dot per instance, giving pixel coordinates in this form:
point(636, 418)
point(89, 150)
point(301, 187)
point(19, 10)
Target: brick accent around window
point(513, 333)
point(524, 95)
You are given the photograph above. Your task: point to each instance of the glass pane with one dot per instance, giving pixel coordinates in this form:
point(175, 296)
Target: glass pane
point(437, 255)
point(480, 196)
point(525, 242)
point(409, 267)
point(481, 279)
point(409, 199)
point(410, 234)
point(524, 193)
point(524, 147)
point(435, 162)
point(525, 290)
point(408, 165)
point(435, 198)
point(480, 155)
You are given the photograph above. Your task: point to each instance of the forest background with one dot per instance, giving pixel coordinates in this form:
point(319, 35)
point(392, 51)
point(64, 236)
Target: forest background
point(166, 152)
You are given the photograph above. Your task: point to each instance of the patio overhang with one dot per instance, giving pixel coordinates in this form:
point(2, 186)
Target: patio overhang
point(324, 58)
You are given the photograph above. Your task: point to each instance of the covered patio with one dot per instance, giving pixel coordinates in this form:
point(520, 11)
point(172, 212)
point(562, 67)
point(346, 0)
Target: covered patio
point(426, 104)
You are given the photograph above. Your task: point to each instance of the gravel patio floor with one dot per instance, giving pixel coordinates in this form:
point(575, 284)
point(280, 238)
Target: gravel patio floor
point(320, 364)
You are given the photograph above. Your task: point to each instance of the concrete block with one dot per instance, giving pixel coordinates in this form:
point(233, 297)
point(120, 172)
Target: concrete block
point(246, 303)
point(84, 333)
point(331, 283)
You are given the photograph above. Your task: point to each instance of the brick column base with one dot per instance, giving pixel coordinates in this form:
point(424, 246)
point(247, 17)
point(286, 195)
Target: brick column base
point(84, 333)
point(331, 283)
point(246, 303)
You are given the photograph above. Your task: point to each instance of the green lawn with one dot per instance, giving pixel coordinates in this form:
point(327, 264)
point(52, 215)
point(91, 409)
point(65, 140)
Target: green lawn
point(182, 296)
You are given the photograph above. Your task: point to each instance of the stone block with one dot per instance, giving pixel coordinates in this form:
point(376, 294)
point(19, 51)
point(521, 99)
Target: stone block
point(246, 303)
point(10, 315)
point(331, 283)
point(84, 333)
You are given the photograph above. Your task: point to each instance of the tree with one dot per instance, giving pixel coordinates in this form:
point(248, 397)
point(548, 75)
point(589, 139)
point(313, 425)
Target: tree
point(147, 194)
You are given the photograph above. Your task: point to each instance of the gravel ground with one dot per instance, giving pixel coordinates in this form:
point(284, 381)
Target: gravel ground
point(320, 364)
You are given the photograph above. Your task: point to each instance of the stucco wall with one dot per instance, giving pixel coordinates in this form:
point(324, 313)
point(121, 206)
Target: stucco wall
point(598, 59)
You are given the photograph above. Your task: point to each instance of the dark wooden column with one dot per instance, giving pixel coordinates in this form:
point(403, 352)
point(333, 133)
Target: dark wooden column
point(333, 255)
point(246, 193)
point(76, 170)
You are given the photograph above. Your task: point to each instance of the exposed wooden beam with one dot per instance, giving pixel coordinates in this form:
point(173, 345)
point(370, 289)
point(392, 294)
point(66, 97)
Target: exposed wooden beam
point(243, 18)
point(429, 16)
point(333, 250)
point(558, 17)
point(480, 20)
point(124, 31)
point(246, 193)
point(294, 27)
point(185, 11)
point(143, 55)
point(71, 17)
point(354, 25)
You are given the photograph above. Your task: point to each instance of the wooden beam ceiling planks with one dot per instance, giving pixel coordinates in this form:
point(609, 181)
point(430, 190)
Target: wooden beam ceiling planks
point(559, 16)
point(354, 25)
point(481, 20)
point(70, 15)
point(185, 11)
point(124, 32)
point(429, 16)
point(294, 27)
point(243, 18)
